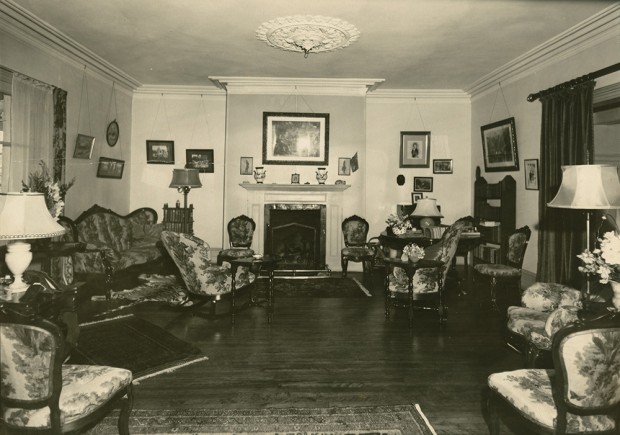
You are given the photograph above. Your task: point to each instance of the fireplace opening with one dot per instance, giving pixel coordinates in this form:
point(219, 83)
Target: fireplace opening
point(295, 235)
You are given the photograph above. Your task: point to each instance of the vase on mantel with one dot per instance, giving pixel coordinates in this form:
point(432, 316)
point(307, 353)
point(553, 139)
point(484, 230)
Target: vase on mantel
point(321, 175)
point(615, 300)
point(259, 174)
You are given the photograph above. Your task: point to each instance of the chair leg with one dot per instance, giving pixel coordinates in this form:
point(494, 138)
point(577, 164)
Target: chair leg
point(494, 305)
point(493, 415)
point(127, 406)
point(344, 262)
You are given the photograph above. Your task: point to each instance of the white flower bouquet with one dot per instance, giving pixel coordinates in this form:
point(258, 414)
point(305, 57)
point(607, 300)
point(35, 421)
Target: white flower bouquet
point(603, 261)
point(54, 191)
point(398, 225)
point(413, 251)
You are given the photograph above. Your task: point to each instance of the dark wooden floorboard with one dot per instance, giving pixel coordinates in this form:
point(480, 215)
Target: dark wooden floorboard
point(321, 352)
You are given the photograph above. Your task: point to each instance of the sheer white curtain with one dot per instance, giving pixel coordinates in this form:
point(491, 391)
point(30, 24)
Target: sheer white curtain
point(32, 122)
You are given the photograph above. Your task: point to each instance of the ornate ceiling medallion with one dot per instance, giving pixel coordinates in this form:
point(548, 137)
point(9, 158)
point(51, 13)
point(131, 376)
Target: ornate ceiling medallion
point(307, 33)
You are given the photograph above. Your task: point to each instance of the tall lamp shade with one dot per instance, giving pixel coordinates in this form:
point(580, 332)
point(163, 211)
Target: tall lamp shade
point(23, 216)
point(426, 209)
point(184, 180)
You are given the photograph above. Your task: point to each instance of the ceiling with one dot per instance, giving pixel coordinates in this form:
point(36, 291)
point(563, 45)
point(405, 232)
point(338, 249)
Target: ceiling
point(412, 44)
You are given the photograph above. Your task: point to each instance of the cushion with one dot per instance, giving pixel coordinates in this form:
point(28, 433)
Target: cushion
point(357, 253)
point(529, 391)
point(522, 320)
point(236, 253)
point(150, 232)
point(497, 270)
point(545, 296)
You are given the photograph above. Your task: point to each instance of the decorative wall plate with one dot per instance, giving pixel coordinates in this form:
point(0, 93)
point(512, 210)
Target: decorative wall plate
point(112, 133)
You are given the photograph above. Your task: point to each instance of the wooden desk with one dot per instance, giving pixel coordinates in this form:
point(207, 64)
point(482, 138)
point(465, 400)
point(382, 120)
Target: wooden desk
point(266, 262)
point(410, 269)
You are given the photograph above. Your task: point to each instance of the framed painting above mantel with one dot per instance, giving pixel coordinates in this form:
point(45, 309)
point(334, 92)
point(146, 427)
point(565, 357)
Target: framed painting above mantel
point(295, 138)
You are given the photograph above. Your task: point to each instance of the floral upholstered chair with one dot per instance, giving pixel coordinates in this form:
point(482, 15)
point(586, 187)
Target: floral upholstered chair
point(355, 232)
point(509, 273)
point(40, 394)
point(204, 280)
point(240, 235)
point(582, 394)
point(545, 308)
point(425, 281)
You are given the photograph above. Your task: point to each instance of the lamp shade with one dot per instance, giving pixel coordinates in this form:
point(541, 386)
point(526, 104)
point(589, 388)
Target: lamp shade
point(426, 207)
point(185, 178)
point(589, 187)
point(25, 216)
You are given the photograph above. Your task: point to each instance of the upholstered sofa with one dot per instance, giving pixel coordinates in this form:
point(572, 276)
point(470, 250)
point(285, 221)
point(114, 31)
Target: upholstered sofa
point(129, 242)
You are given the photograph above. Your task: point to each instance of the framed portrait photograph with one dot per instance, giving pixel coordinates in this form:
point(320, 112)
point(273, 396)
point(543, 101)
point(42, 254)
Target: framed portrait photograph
point(499, 146)
point(415, 197)
point(530, 166)
point(83, 147)
point(160, 152)
point(294, 178)
point(422, 184)
point(442, 166)
point(246, 165)
point(112, 133)
point(415, 149)
point(295, 138)
point(344, 166)
point(200, 159)
point(110, 168)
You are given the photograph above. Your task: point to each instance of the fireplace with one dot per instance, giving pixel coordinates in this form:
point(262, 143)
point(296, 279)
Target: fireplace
point(295, 235)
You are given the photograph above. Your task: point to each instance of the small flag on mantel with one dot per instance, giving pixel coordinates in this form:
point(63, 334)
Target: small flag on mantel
point(354, 163)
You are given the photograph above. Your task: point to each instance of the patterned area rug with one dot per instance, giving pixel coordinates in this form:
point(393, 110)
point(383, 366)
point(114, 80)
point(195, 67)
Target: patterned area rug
point(359, 420)
point(153, 350)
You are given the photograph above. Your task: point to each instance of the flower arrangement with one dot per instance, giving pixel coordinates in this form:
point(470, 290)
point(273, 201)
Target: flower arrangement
point(603, 261)
point(53, 191)
point(413, 250)
point(399, 226)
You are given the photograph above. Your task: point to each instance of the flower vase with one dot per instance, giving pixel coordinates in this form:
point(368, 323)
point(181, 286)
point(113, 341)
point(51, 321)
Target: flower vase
point(259, 174)
point(321, 175)
point(615, 287)
point(414, 259)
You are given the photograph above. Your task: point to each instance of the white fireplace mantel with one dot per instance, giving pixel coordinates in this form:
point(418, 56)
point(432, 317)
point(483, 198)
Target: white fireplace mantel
point(330, 195)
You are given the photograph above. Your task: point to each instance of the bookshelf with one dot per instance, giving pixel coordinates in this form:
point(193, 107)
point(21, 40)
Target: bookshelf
point(179, 219)
point(494, 216)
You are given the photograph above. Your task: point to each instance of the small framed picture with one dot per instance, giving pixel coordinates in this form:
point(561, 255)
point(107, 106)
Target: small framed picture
point(294, 178)
point(246, 165)
point(200, 159)
point(422, 184)
point(344, 166)
point(83, 147)
point(530, 166)
point(160, 152)
point(110, 168)
point(415, 149)
point(442, 166)
point(499, 146)
point(415, 197)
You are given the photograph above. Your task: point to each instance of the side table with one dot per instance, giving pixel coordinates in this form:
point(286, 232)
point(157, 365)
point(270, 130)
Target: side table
point(410, 269)
point(256, 265)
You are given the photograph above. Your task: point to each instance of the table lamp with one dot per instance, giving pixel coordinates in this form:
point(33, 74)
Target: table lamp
point(23, 216)
point(426, 209)
point(588, 187)
point(184, 180)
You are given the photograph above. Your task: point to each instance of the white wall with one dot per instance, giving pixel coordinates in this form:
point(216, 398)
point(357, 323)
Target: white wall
point(448, 120)
point(192, 121)
point(527, 119)
point(50, 67)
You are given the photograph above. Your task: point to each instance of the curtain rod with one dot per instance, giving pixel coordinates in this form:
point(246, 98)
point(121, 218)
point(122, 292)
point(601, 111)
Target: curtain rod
point(593, 75)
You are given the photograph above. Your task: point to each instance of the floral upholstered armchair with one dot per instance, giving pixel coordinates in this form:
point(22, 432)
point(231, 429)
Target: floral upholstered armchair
point(40, 393)
point(545, 308)
point(240, 235)
point(355, 233)
point(202, 278)
point(582, 394)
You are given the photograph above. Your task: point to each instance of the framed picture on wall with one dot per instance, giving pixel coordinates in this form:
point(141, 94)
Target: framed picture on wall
point(415, 149)
point(415, 197)
point(531, 173)
point(110, 168)
point(83, 147)
point(499, 146)
point(422, 184)
point(442, 166)
point(160, 152)
point(344, 166)
point(200, 159)
point(295, 138)
point(246, 165)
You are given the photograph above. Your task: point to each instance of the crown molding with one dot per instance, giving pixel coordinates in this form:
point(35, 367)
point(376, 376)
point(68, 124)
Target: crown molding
point(289, 85)
point(606, 93)
point(179, 90)
point(427, 94)
point(599, 27)
point(30, 29)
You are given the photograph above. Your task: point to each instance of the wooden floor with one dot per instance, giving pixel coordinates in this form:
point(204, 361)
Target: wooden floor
point(321, 352)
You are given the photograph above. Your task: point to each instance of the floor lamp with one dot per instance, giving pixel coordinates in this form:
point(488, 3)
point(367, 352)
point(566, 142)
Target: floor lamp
point(588, 187)
point(23, 216)
point(184, 180)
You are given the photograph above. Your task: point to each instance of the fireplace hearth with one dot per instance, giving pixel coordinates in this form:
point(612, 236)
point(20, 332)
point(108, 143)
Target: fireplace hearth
point(295, 235)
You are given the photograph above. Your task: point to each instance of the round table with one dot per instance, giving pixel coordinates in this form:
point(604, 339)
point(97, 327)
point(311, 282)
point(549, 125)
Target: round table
point(266, 262)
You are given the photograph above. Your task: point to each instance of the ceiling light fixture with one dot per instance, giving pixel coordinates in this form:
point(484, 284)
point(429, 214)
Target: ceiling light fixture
point(308, 33)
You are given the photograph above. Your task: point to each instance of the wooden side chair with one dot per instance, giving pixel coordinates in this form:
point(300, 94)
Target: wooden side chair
point(581, 395)
point(355, 232)
point(509, 273)
point(240, 234)
point(40, 394)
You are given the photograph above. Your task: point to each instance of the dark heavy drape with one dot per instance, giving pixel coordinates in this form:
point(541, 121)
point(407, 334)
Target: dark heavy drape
point(59, 142)
point(566, 139)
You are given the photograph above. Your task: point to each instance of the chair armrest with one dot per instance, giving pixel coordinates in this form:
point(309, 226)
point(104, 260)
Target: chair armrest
point(547, 296)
